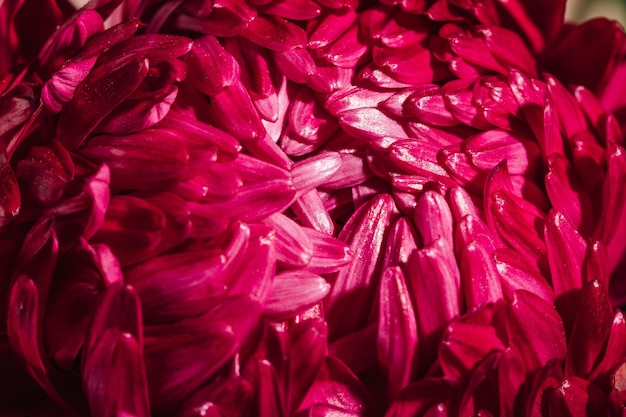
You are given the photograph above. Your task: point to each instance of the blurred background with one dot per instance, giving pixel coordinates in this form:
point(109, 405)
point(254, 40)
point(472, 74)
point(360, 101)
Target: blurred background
point(579, 10)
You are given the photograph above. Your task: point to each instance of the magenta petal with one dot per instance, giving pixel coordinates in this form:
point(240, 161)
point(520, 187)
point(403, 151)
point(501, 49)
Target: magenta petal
point(235, 111)
point(466, 343)
point(178, 285)
point(488, 149)
point(335, 384)
point(349, 301)
point(577, 397)
point(310, 210)
point(10, 199)
point(93, 99)
point(329, 254)
point(590, 332)
point(60, 88)
point(567, 196)
point(566, 251)
point(397, 330)
point(208, 55)
point(419, 157)
point(480, 277)
point(275, 33)
point(293, 246)
point(233, 395)
point(295, 10)
point(145, 161)
point(347, 50)
point(602, 42)
point(113, 375)
point(132, 229)
point(293, 292)
point(508, 48)
point(370, 125)
point(537, 330)
point(330, 27)
point(308, 120)
point(297, 64)
point(427, 104)
point(401, 243)
point(519, 224)
point(423, 395)
point(434, 279)
point(315, 171)
point(615, 349)
point(518, 274)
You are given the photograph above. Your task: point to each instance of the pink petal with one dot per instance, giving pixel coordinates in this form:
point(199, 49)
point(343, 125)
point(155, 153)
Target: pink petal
point(348, 50)
point(293, 246)
point(329, 254)
point(518, 274)
point(92, 100)
point(295, 10)
point(207, 53)
point(458, 99)
point(488, 149)
point(336, 385)
point(508, 48)
point(567, 196)
point(178, 285)
point(577, 397)
point(297, 64)
point(60, 88)
point(480, 277)
point(293, 292)
point(236, 114)
point(310, 210)
point(113, 375)
point(275, 33)
point(308, 120)
point(590, 332)
point(419, 157)
point(10, 199)
point(427, 104)
point(132, 229)
point(537, 330)
point(349, 300)
point(397, 330)
point(330, 27)
point(233, 395)
point(145, 161)
point(370, 125)
point(401, 243)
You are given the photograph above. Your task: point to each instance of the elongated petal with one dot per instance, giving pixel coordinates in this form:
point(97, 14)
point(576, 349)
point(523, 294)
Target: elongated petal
point(275, 33)
point(207, 53)
point(178, 285)
point(293, 246)
point(293, 292)
point(590, 332)
point(370, 125)
point(329, 254)
point(397, 330)
point(538, 330)
point(349, 300)
point(10, 199)
point(114, 378)
point(93, 98)
point(233, 108)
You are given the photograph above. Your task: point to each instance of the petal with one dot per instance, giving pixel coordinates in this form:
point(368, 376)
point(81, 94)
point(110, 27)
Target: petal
point(93, 100)
point(10, 199)
point(350, 298)
point(397, 330)
point(293, 246)
point(370, 125)
point(590, 332)
point(293, 292)
point(236, 114)
point(329, 254)
point(537, 330)
point(577, 397)
point(275, 33)
point(310, 210)
point(178, 285)
point(207, 53)
point(113, 375)
point(315, 171)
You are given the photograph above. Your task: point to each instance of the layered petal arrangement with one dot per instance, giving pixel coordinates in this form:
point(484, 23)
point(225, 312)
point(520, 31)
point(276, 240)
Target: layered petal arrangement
point(311, 208)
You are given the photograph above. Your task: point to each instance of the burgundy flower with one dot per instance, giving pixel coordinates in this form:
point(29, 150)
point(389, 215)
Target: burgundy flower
point(311, 208)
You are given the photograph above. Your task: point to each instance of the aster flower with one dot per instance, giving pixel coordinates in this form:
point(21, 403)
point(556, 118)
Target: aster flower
point(310, 208)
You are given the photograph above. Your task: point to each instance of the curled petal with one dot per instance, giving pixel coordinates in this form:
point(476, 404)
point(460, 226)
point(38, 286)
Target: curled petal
point(293, 292)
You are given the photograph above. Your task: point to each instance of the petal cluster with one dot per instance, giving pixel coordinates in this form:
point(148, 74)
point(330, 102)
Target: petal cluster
point(311, 208)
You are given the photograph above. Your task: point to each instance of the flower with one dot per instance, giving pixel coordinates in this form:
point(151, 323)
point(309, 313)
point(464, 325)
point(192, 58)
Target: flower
point(311, 207)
